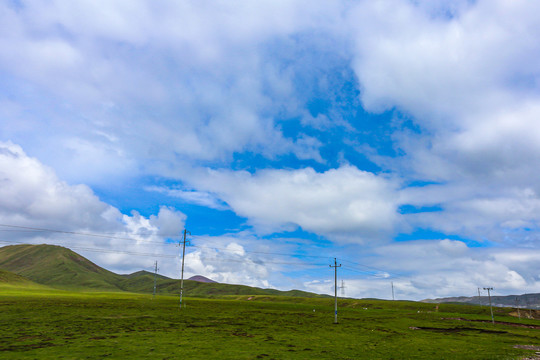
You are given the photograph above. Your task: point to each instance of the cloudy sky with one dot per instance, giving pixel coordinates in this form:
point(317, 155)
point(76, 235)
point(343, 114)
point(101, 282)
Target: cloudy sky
point(400, 137)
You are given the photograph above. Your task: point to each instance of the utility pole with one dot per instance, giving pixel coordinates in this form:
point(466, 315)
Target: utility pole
point(479, 298)
point(155, 279)
point(342, 287)
point(517, 307)
point(183, 256)
point(335, 266)
point(392, 290)
point(490, 307)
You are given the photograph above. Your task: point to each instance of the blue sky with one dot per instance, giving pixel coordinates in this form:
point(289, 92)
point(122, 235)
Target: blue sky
point(393, 135)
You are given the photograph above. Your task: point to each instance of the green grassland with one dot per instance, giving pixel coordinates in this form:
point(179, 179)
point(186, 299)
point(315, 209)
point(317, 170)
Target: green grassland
point(55, 304)
point(45, 323)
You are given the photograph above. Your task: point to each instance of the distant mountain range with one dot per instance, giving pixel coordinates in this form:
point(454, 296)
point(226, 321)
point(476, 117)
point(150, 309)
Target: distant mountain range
point(61, 268)
point(529, 301)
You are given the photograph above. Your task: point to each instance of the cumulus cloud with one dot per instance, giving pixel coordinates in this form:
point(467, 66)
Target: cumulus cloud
point(102, 92)
point(33, 197)
point(437, 268)
point(187, 75)
point(229, 265)
point(475, 107)
point(344, 203)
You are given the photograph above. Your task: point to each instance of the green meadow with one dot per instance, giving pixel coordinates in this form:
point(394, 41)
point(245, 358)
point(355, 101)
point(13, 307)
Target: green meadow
point(41, 323)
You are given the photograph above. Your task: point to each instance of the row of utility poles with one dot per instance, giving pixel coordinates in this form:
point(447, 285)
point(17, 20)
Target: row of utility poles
point(489, 289)
point(182, 243)
point(185, 242)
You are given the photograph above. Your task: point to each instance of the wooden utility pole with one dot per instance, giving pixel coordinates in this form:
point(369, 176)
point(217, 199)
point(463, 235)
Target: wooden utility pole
point(183, 256)
point(479, 298)
point(490, 307)
point(335, 266)
point(155, 279)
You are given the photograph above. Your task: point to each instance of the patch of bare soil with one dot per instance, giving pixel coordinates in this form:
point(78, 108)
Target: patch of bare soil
point(496, 322)
point(530, 347)
point(457, 329)
point(526, 313)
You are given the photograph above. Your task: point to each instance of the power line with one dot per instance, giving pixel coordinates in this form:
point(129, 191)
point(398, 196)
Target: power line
point(395, 275)
point(33, 229)
point(17, 228)
point(371, 273)
point(96, 249)
point(262, 252)
point(104, 236)
point(224, 260)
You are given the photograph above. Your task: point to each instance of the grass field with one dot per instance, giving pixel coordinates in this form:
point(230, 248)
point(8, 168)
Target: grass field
point(38, 323)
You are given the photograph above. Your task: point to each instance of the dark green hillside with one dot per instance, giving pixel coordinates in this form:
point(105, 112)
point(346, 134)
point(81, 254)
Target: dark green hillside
point(143, 282)
point(144, 273)
point(200, 289)
point(56, 266)
point(62, 268)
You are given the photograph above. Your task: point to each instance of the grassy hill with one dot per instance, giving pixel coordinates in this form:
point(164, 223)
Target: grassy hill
point(56, 266)
point(62, 268)
point(200, 289)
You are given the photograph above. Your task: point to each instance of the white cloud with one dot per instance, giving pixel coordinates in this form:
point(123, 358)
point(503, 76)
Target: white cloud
point(464, 74)
point(101, 91)
point(32, 196)
point(193, 197)
point(206, 80)
point(439, 268)
point(230, 267)
point(344, 203)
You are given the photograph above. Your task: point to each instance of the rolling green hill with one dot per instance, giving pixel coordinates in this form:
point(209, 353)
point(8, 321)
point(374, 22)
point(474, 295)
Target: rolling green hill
point(61, 268)
point(56, 266)
point(200, 289)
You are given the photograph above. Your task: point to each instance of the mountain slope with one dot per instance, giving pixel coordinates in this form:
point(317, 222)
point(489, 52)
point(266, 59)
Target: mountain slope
point(62, 268)
point(56, 266)
point(203, 289)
